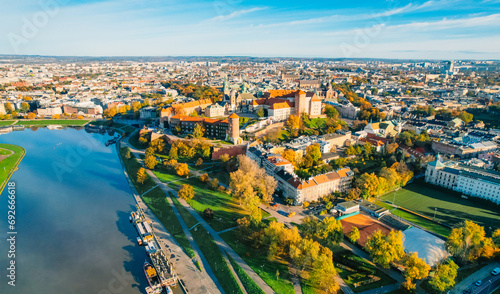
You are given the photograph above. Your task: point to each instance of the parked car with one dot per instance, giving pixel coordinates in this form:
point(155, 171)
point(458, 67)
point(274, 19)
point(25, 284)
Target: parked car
point(495, 271)
point(478, 283)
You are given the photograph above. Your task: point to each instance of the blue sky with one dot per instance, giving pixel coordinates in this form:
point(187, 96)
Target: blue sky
point(437, 29)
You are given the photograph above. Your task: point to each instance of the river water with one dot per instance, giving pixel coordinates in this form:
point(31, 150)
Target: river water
point(72, 207)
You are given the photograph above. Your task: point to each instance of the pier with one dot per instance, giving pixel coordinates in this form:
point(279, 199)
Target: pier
point(159, 260)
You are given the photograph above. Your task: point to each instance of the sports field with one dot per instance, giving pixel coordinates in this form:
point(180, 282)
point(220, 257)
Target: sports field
point(451, 208)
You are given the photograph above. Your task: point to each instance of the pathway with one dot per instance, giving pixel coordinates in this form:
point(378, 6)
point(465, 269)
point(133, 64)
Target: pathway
point(195, 281)
point(218, 240)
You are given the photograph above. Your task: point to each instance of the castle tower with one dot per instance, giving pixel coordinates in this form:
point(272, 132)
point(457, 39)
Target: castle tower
point(233, 131)
point(300, 102)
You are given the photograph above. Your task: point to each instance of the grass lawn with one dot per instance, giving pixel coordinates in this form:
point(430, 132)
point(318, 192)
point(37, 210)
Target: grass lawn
point(250, 286)
point(222, 204)
point(46, 122)
point(306, 289)
point(316, 123)
point(425, 223)
point(216, 261)
point(8, 164)
point(166, 177)
point(156, 200)
point(258, 261)
point(222, 176)
point(185, 214)
point(6, 122)
point(132, 166)
point(451, 208)
point(223, 142)
point(134, 141)
point(361, 268)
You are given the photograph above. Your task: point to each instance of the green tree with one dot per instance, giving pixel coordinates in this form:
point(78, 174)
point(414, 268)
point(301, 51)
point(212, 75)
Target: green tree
point(260, 112)
point(385, 249)
point(323, 273)
point(465, 117)
point(444, 276)
point(314, 151)
point(25, 107)
point(331, 112)
point(186, 192)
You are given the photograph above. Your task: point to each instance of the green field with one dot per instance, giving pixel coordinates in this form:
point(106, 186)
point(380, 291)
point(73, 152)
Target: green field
point(4, 123)
point(8, 164)
point(156, 201)
point(185, 214)
point(258, 261)
point(424, 198)
point(46, 122)
point(225, 208)
point(216, 260)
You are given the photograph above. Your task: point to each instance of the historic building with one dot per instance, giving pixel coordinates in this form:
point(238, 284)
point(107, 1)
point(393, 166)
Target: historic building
point(466, 179)
point(225, 129)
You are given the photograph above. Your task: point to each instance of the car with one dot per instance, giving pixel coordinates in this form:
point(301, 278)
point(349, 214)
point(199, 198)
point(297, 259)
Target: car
point(468, 291)
point(478, 283)
point(495, 271)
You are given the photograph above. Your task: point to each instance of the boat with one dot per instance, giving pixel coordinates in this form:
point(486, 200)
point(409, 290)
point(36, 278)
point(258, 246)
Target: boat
point(139, 241)
point(151, 276)
point(169, 290)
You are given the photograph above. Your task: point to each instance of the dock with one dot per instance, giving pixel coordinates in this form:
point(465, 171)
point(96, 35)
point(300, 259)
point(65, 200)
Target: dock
point(159, 260)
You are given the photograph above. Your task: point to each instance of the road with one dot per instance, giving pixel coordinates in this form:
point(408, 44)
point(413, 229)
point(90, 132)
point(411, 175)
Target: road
point(490, 282)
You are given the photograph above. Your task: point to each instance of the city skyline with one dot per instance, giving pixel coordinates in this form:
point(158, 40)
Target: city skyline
point(378, 29)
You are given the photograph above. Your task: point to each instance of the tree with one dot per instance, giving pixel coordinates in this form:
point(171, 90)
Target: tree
point(186, 192)
point(204, 178)
point(224, 158)
point(444, 276)
point(172, 154)
point(496, 237)
point(182, 169)
point(331, 112)
point(31, 115)
point(465, 117)
point(415, 269)
point(158, 145)
point(150, 161)
point(385, 249)
point(369, 184)
point(25, 107)
point(293, 123)
point(198, 131)
point(329, 231)
point(314, 151)
point(199, 162)
point(354, 235)
point(465, 241)
point(141, 175)
point(260, 112)
point(391, 147)
point(55, 116)
point(214, 184)
point(323, 273)
point(368, 148)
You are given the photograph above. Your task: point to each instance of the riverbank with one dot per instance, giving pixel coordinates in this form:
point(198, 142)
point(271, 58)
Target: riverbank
point(9, 162)
point(49, 122)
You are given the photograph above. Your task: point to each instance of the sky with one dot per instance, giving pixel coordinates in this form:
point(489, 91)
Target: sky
point(435, 29)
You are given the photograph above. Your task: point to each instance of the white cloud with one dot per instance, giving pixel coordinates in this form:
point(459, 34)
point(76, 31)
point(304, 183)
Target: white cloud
point(234, 14)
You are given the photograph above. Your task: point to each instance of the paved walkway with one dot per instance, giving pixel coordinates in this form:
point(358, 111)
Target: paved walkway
point(195, 281)
point(218, 240)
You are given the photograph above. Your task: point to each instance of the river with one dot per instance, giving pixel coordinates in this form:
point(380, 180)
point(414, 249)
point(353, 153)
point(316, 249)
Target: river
point(72, 207)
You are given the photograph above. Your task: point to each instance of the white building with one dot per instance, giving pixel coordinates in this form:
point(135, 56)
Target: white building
point(468, 180)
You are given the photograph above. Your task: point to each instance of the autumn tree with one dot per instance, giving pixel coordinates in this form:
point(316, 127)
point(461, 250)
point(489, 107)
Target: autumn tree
point(204, 178)
point(172, 154)
point(444, 276)
point(328, 231)
point(314, 151)
point(415, 269)
point(369, 184)
point(385, 249)
point(198, 131)
point(150, 161)
point(31, 115)
point(323, 273)
point(141, 175)
point(224, 158)
point(199, 162)
point(465, 117)
point(391, 148)
point(293, 124)
point(158, 145)
point(354, 235)
point(186, 192)
point(182, 169)
point(465, 242)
